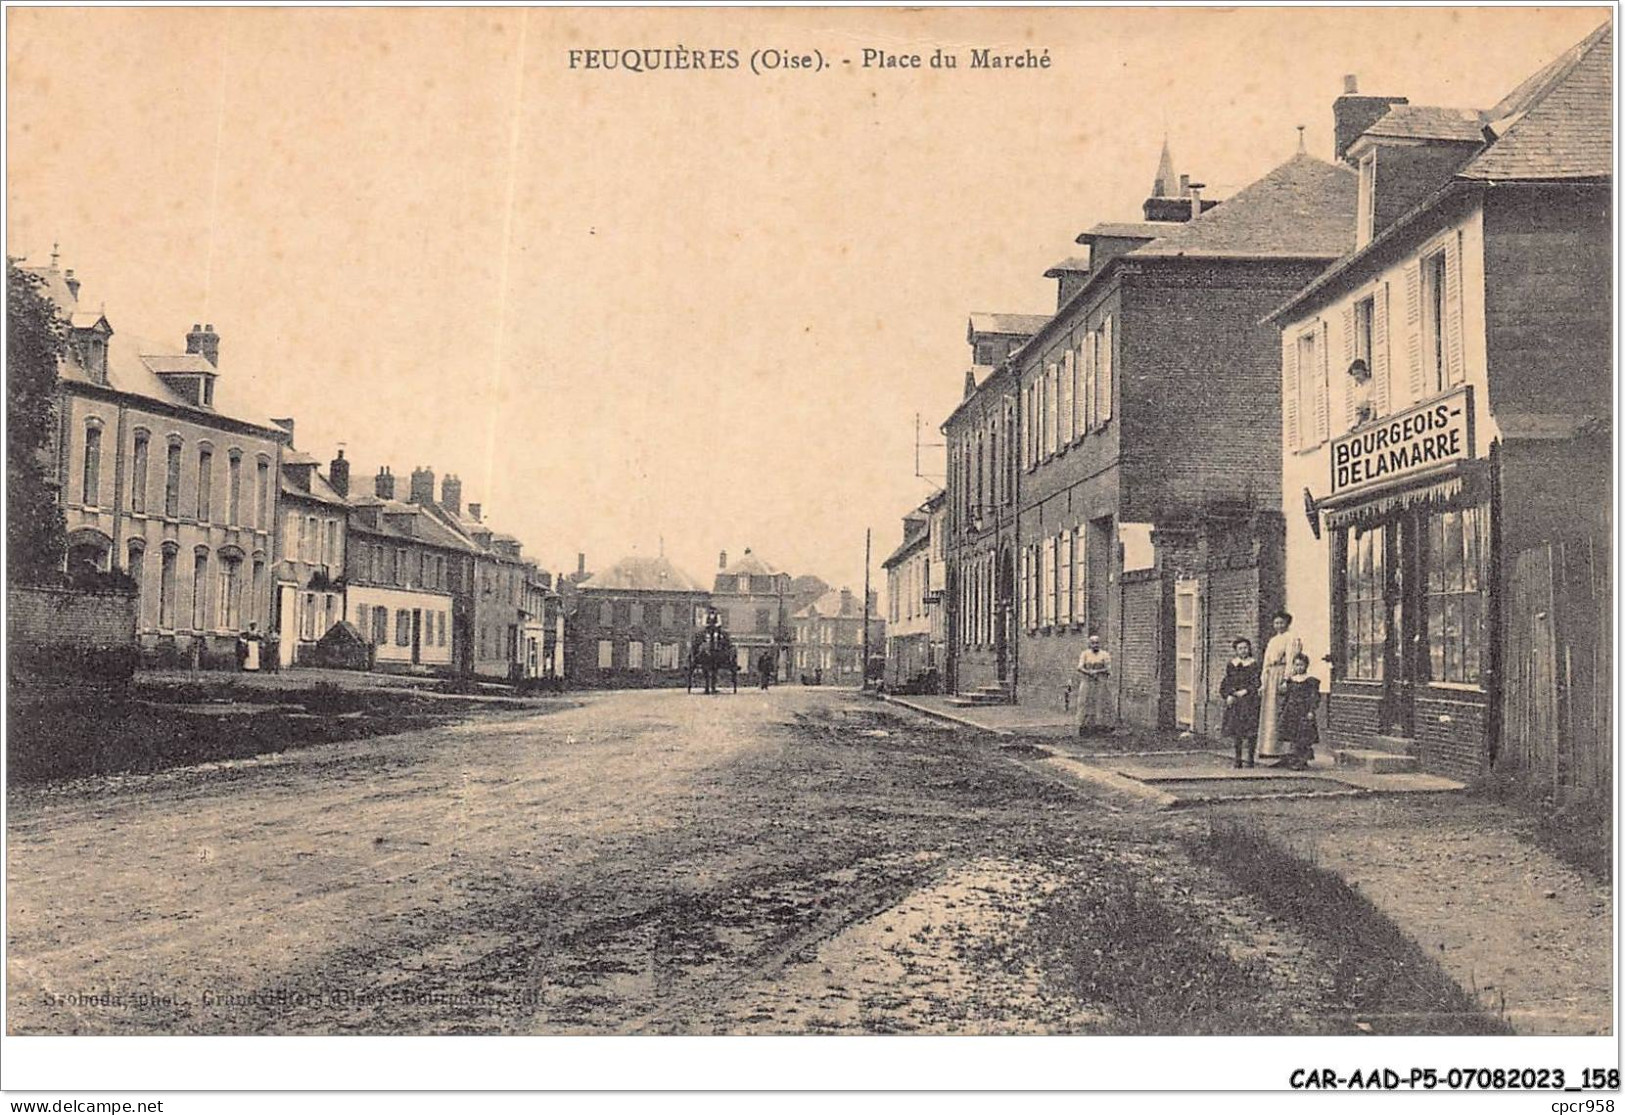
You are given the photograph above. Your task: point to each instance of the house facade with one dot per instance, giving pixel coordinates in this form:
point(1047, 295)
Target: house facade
point(1446, 435)
point(161, 478)
point(313, 515)
point(633, 625)
point(828, 639)
point(916, 619)
point(754, 603)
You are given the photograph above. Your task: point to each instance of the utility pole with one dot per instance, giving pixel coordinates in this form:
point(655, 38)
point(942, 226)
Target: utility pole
point(864, 675)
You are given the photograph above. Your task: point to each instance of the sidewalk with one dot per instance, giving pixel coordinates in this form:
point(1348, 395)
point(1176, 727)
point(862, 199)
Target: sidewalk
point(1001, 720)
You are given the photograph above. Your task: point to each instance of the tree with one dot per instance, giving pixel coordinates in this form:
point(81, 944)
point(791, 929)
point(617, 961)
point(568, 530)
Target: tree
point(36, 340)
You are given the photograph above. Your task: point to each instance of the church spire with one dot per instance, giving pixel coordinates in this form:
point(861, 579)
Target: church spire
point(1166, 184)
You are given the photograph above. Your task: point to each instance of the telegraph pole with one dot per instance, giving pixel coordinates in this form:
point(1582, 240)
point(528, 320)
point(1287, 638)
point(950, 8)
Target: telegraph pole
point(864, 675)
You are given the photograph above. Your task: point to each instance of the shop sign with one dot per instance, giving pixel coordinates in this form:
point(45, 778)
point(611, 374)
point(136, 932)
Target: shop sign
point(1434, 433)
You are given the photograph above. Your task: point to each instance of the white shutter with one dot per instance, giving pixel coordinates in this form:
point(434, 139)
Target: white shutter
point(1068, 426)
point(1066, 576)
point(1341, 366)
point(1289, 392)
point(1080, 395)
point(1103, 409)
point(1379, 352)
point(1091, 352)
point(1455, 368)
point(1051, 412)
point(1413, 331)
point(1079, 571)
point(1323, 385)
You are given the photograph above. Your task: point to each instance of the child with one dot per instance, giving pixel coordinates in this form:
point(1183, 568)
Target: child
point(1242, 678)
point(1300, 700)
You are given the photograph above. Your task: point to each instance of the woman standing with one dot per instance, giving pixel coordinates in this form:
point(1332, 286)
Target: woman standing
point(1282, 648)
point(1094, 689)
point(1239, 689)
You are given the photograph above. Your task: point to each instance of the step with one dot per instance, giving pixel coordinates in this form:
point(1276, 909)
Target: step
point(1393, 745)
point(1374, 761)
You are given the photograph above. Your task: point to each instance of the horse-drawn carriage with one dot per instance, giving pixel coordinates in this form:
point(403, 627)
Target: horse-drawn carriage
point(710, 654)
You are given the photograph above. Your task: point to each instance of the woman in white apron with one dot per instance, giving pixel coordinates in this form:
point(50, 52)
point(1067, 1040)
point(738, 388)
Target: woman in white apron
point(1282, 648)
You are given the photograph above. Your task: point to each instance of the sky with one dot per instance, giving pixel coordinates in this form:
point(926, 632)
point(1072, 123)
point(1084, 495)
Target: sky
point(696, 310)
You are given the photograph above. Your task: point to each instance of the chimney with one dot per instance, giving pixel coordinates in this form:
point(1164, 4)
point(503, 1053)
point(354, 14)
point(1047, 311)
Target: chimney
point(1196, 189)
point(581, 563)
point(1352, 113)
point(73, 284)
point(383, 485)
point(422, 486)
point(970, 382)
point(286, 424)
point(722, 560)
point(847, 602)
point(474, 512)
point(1184, 185)
point(205, 342)
point(451, 494)
point(338, 474)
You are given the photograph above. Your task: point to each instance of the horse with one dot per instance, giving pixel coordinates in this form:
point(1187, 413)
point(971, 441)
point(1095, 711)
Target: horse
point(711, 652)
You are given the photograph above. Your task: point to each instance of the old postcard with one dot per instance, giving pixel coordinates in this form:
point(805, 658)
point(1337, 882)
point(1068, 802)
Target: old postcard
point(981, 522)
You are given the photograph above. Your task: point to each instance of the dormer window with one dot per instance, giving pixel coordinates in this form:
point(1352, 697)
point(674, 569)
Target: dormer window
point(1365, 211)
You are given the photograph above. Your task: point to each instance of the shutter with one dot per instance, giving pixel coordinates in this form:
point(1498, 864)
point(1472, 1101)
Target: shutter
point(1455, 367)
point(1323, 384)
point(1069, 426)
point(1379, 351)
point(1080, 571)
point(1342, 365)
point(1413, 331)
point(1289, 392)
point(1091, 348)
point(1051, 410)
point(1066, 576)
point(1104, 408)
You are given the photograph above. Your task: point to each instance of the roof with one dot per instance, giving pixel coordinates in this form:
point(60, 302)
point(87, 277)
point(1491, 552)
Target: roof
point(643, 574)
point(1558, 124)
point(1126, 230)
point(431, 531)
point(1303, 209)
point(829, 606)
point(320, 490)
point(187, 363)
point(912, 541)
point(1429, 122)
point(750, 564)
point(1069, 265)
point(1014, 325)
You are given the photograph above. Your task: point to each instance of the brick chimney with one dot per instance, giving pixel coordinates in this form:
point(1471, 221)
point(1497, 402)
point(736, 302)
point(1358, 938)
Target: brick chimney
point(383, 485)
point(581, 563)
point(338, 474)
point(474, 512)
point(847, 603)
point(205, 342)
point(451, 494)
point(422, 486)
point(722, 560)
point(1352, 113)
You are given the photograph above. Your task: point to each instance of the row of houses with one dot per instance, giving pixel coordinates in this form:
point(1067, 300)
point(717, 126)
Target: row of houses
point(1372, 391)
point(634, 623)
point(226, 527)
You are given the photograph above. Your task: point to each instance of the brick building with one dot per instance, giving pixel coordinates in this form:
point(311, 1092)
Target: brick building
point(633, 624)
point(1120, 473)
point(160, 474)
point(828, 638)
point(1446, 437)
point(754, 602)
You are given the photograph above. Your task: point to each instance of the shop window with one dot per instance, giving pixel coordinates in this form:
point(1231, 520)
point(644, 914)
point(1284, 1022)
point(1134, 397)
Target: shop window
point(1365, 618)
point(1455, 595)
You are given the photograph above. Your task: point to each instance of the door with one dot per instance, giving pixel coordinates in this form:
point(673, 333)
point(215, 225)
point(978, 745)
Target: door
point(417, 636)
point(1403, 644)
point(1187, 605)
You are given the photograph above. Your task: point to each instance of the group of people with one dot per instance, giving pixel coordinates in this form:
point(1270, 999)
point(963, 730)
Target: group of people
point(1270, 704)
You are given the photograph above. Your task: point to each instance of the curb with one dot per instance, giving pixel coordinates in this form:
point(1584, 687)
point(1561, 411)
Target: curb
point(1112, 782)
point(946, 717)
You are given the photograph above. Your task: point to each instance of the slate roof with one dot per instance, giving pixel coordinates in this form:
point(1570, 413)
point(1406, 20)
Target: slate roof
point(1303, 209)
point(320, 490)
point(643, 574)
point(1429, 122)
point(750, 563)
point(430, 530)
point(828, 606)
point(1559, 123)
point(1017, 325)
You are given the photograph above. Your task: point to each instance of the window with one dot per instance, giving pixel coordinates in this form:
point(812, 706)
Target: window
point(259, 599)
point(403, 627)
point(1050, 409)
point(400, 566)
point(235, 494)
point(134, 567)
point(1069, 424)
point(668, 615)
point(1360, 387)
point(1365, 211)
point(231, 586)
point(205, 483)
point(634, 655)
point(442, 628)
point(1080, 596)
point(1103, 378)
point(1091, 372)
point(665, 656)
point(380, 625)
point(423, 570)
point(1455, 602)
point(1064, 579)
point(307, 616)
point(606, 614)
point(1365, 616)
point(172, 482)
point(1434, 373)
point(984, 352)
point(93, 466)
point(200, 591)
point(637, 614)
point(138, 474)
point(166, 590)
point(606, 654)
point(1009, 452)
point(262, 495)
point(1308, 397)
point(330, 554)
point(363, 613)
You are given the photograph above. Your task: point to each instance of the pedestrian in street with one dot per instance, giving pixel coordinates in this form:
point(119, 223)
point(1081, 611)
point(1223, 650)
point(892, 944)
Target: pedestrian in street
point(1094, 689)
point(1300, 702)
point(1279, 652)
point(764, 667)
point(1242, 678)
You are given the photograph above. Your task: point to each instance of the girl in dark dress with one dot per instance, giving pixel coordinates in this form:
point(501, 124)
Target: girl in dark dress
point(1242, 678)
point(1299, 702)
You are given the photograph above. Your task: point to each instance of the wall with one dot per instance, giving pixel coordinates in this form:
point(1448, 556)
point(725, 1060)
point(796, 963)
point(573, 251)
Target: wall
point(584, 630)
point(396, 599)
point(60, 635)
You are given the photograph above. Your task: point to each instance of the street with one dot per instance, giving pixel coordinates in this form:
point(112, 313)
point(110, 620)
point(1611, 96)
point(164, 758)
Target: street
point(794, 861)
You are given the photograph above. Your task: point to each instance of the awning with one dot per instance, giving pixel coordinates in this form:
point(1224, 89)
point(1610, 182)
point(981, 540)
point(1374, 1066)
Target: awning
point(1463, 482)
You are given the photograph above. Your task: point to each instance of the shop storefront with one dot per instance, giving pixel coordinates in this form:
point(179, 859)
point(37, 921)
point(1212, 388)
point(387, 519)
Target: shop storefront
point(1411, 521)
